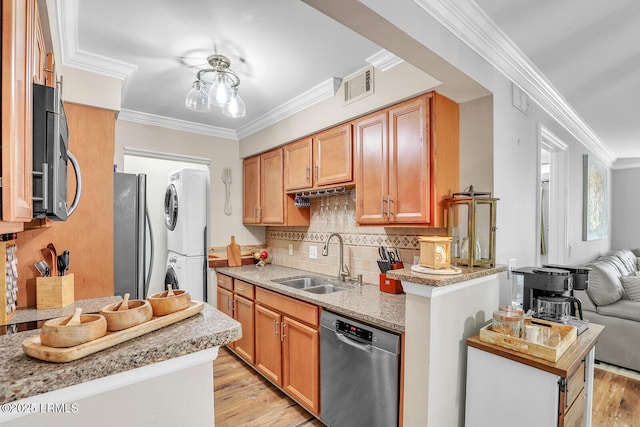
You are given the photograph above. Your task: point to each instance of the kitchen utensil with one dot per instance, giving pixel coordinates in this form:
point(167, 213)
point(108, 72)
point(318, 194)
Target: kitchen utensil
point(137, 312)
point(226, 178)
point(233, 253)
point(49, 254)
point(62, 267)
point(75, 319)
point(61, 332)
point(164, 303)
point(124, 305)
point(65, 256)
point(43, 268)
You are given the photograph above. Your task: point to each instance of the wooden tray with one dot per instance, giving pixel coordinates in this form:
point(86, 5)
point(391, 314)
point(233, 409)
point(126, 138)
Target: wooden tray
point(568, 335)
point(32, 346)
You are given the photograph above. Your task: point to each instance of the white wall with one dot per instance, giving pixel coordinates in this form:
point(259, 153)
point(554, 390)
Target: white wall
point(515, 135)
point(401, 82)
point(219, 151)
point(626, 209)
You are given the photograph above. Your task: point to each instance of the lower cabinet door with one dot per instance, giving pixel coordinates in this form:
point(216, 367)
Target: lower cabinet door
point(244, 314)
point(301, 364)
point(268, 352)
point(225, 305)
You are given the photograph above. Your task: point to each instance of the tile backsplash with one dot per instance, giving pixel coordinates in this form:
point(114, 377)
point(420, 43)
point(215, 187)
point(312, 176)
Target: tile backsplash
point(337, 214)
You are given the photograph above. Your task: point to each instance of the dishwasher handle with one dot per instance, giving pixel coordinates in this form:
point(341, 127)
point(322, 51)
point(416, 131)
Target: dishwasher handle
point(352, 343)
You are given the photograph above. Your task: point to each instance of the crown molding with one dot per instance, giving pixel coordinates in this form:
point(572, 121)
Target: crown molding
point(73, 56)
point(471, 24)
point(384, 60)
point(182, 125)
point(316, 94)
point(626, 163)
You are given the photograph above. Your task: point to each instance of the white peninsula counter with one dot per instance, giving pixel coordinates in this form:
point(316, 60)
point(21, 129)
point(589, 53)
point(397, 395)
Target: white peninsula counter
point(441, 312)
point(163, 378)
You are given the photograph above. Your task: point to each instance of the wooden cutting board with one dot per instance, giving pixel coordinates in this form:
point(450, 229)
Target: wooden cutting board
point(34, 348)
point(233, 253)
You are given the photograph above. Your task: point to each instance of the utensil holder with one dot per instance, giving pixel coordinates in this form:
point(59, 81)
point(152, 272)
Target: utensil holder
point(54, 291)
point(389, 285)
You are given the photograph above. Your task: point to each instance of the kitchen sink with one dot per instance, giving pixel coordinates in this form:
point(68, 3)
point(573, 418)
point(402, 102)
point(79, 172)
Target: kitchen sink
point(324, 289)
point(314, 285)
point(303, 282)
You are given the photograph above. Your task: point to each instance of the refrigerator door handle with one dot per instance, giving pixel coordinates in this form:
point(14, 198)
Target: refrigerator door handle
point(147, 274)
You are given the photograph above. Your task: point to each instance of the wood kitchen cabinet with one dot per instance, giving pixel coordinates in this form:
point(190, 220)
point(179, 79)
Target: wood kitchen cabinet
point(22, 61)
point(264, 199)
point(325, 159)
point(407, 160)
point(235, 299)
point(287, 346)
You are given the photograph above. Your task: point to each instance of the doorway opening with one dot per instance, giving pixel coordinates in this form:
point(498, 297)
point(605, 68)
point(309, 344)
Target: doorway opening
point(552, 181)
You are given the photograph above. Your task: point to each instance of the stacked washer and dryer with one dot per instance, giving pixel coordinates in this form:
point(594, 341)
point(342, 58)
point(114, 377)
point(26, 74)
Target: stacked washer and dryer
point(185, 207)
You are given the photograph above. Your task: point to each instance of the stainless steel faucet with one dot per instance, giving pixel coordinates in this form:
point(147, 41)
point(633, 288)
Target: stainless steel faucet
point(343, 271)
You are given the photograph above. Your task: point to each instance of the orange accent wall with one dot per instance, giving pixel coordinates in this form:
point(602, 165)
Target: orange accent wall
point(88, 233)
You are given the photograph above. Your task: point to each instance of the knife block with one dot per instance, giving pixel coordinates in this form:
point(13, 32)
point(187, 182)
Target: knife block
point(54, 291)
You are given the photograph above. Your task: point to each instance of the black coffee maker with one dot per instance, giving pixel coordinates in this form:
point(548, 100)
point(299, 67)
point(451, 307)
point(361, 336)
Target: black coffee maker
point(548, 292)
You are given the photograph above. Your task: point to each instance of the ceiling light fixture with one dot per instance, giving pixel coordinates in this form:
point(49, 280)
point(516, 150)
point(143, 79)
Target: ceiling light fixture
point(219, 88)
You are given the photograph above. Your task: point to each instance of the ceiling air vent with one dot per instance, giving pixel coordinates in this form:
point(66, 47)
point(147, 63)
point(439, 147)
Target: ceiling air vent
point(358, 86)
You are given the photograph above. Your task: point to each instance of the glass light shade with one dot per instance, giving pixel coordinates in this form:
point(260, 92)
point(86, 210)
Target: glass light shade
point(220, 92)
point(235, 108)
point(198, 98)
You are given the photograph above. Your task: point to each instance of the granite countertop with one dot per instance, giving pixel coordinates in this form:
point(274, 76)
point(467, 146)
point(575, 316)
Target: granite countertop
point(23, 376)
point(88, 306)
point(439, 280)
point(366, 303)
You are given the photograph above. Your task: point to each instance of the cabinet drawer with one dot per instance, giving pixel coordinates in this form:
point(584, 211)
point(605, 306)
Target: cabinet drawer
point(300, 310)
point(243, 288)
point(575, 385)
point(225, 282)
point(574, 417)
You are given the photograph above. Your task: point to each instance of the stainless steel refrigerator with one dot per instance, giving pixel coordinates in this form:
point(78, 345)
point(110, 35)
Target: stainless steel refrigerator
point(130, 228)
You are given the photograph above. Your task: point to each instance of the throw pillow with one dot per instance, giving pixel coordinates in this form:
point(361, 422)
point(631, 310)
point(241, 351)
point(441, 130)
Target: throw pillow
point(631, 285)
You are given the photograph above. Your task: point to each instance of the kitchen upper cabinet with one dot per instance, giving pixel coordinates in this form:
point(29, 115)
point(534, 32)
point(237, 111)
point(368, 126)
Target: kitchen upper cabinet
point(323, 160)
point(272, 200)
point(333, 156)
point(263, 196)
point(264, 199)
point(287, 346)
point(407, 162)
point(251, 190)
point(22, 45)
point(298, 161)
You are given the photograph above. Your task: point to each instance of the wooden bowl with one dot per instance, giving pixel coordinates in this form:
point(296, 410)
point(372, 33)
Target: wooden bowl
point(163, 304)
point(138, 311)
point(56, 332)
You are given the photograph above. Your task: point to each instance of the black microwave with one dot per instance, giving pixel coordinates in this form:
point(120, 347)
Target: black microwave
point(51, 155)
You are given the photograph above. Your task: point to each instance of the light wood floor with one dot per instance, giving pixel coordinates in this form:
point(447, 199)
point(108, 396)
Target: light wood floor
point(243, 398)
point(616, 400)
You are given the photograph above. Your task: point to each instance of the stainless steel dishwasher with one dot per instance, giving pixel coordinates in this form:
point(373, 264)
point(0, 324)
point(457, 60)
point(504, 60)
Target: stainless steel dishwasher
point(359, 373)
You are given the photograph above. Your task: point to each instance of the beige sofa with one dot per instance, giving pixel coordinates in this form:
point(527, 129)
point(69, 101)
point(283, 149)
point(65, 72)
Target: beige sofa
point(612, 299)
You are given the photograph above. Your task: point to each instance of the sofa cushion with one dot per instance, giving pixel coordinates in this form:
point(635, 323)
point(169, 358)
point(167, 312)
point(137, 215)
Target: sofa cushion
point(631, 285)
point(604, 283)
point(619, 261)
point(629, 260)
point(624, 309)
